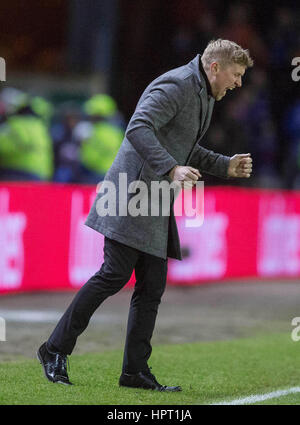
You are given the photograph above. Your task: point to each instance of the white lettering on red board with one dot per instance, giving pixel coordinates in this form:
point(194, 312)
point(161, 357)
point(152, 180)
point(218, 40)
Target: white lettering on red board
point(12, 226)
point(278, 238)
point(204, 248)
point(86, 245)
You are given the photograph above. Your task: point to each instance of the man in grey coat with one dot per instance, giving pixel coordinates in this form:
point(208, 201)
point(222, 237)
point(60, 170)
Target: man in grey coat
point(161, 144)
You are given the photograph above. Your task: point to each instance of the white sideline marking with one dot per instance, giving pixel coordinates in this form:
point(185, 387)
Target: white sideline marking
point(260, 397)
point(49, 316)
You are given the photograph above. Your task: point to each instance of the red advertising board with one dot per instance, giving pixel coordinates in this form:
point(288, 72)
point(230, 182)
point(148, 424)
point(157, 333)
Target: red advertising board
point(44, 244)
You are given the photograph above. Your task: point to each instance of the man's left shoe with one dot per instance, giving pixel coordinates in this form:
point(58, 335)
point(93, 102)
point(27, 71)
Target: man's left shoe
point(145, 380)
point(54, 365)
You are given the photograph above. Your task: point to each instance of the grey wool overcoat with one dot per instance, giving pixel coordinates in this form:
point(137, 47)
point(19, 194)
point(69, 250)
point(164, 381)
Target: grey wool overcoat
point(170, 119)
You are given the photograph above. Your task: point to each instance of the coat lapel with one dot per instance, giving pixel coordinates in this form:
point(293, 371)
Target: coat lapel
point(203, 106)
point(206, 102)
point(208, 116)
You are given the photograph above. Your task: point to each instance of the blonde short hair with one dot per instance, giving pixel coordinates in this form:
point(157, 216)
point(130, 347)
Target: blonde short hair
point(226, 52)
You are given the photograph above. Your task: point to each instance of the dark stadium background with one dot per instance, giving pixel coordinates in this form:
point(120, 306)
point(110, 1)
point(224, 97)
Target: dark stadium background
point(67, 50)
point(109, 44)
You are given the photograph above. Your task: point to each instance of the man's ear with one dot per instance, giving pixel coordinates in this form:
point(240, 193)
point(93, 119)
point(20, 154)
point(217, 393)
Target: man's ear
point(214, 68)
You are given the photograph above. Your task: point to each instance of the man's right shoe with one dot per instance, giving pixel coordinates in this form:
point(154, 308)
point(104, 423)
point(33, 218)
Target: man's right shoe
point(145, 380)
point(54, 365)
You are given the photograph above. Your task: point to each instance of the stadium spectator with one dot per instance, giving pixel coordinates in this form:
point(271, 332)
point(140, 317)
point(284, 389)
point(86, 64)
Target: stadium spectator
point(238, 26)
point(65, 144)
point(282, 37)
point(206, 29)
point(25, 144)
point(253, 110)
point(100, 137)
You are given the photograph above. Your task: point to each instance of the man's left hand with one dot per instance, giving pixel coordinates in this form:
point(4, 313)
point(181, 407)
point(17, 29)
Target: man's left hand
point(240, 165)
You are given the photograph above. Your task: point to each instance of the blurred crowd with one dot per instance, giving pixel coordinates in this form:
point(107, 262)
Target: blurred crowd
point(70, 143)
point(77, 142)
point(264, 116)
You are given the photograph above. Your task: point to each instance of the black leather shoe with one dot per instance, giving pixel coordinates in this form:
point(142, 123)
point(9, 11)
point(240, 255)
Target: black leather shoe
point(54, 365)
point(144, 380)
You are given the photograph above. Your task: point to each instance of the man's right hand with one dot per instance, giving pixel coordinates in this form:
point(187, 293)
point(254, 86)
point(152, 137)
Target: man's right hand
point(184, 174)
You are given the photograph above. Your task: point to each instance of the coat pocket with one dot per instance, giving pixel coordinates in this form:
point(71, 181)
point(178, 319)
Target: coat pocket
point(148, 175)
point(135, 183)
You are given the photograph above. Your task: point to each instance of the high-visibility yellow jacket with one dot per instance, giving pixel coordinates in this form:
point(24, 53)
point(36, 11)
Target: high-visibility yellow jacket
point(25, 145)
point(98, 151)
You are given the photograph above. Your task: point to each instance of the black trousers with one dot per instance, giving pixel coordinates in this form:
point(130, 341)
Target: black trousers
point(119, 262)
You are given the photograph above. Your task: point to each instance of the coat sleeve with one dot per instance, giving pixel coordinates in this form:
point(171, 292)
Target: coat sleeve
point(160, 106)
point(210, 162)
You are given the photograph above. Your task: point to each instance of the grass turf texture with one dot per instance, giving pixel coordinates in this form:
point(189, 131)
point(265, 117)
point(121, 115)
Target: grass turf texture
point(208, 372)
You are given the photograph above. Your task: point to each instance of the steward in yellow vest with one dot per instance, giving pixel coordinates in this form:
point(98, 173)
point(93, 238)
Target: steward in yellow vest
point(25, 146)
point(102, 142)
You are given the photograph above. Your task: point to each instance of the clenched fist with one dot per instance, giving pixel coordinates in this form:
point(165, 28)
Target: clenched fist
point(185, 175)
point(240, 165)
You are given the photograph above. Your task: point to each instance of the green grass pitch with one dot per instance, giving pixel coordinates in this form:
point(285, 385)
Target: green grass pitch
point(209, 372)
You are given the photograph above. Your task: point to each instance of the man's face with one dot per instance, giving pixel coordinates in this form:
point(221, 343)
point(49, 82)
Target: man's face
point(223, 78)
